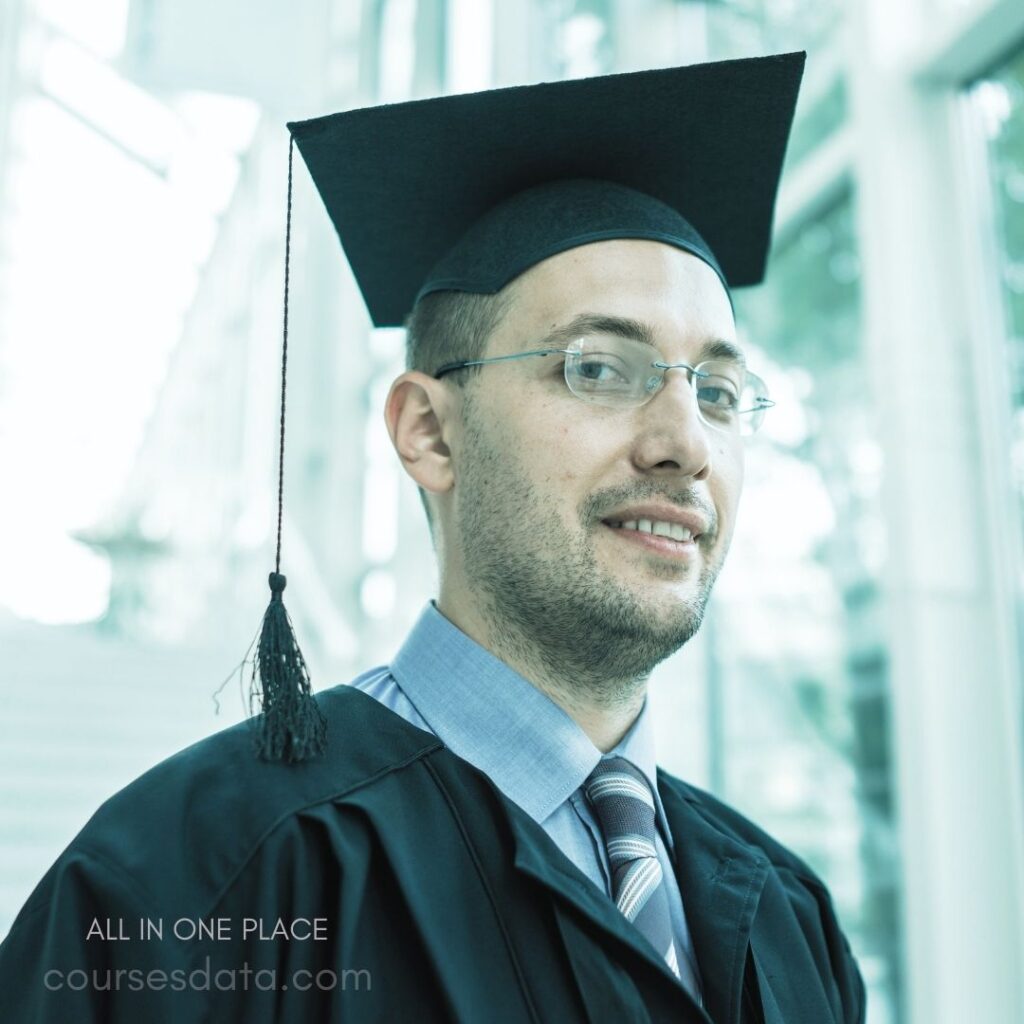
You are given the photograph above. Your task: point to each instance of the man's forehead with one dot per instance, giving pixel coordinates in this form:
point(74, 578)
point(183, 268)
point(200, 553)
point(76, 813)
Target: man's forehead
point(652, 293)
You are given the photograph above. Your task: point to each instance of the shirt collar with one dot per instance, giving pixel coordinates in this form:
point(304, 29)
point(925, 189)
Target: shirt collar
point(489, 715)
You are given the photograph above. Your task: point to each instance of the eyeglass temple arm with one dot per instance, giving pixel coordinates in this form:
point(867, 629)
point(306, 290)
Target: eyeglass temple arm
point(462, 363)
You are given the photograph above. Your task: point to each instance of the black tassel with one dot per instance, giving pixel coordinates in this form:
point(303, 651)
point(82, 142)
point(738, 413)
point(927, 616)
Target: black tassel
point(292, 727)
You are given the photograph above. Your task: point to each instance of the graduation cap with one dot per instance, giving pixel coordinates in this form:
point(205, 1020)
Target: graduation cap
point(465, 193)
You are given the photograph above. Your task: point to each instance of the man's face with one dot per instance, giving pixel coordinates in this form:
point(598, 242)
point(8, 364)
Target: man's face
point(543, 480)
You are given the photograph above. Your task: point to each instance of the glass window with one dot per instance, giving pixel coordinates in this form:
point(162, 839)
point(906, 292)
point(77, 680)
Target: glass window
point(798, 635)
point(998, 100)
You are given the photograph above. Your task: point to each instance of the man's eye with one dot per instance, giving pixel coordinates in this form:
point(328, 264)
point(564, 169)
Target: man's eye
point(719, 395)
point(596, 369)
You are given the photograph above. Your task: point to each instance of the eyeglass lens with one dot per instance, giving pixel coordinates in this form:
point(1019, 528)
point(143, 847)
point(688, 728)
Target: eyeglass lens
point(609, 370)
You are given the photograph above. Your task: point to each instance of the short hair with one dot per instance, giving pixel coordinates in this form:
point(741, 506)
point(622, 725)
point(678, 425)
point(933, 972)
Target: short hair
point(445, 327)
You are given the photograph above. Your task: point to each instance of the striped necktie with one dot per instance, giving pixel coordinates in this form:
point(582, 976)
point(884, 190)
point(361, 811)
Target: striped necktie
point(624, 805)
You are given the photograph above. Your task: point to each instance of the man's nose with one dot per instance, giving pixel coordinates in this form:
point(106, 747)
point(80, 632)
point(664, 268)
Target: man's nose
point(671, 436)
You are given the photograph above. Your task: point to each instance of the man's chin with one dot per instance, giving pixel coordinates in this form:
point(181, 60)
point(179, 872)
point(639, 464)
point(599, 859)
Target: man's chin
point(667, 594)
point(643, 635)
point(675, 620)
point(671, 608)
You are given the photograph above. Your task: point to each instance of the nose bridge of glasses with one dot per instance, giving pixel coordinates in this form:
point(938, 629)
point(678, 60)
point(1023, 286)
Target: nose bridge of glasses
point(691, 370)
point(689, 386)
point(692, 373)
point(694, 408)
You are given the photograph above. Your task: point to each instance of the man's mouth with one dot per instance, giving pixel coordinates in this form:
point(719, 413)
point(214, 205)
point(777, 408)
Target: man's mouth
point(655, 527)
point(661, 528)
point(659, 537)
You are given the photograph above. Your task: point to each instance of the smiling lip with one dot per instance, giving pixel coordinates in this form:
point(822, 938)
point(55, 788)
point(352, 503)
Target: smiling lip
point(664, 547)
point(688, 519)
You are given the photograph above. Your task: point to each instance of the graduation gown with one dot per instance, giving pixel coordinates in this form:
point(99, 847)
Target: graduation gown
point(393, 882)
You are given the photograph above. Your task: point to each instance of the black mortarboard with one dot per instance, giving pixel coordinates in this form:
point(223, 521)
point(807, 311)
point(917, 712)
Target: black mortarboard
point(464, 193)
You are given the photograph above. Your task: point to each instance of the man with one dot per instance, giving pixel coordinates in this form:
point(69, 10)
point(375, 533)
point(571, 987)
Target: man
point(485, 835)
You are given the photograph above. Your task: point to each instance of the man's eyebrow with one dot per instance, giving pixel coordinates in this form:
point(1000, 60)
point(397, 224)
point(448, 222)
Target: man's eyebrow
point(590, 323)
point(636, 330)
point(721, 349)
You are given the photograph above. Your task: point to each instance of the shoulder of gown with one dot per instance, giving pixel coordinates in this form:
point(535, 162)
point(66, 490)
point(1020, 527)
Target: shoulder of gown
point(181, 831)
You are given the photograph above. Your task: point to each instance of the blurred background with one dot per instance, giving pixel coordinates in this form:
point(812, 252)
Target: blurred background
point(857, 686)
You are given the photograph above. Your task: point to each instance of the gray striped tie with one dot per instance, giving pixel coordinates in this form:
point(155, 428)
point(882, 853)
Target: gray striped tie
point(622, 800)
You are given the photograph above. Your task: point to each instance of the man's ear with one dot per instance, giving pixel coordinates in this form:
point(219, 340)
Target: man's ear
point(418, 416)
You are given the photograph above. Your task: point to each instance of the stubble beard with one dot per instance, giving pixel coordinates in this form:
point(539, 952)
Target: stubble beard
point(546, 600)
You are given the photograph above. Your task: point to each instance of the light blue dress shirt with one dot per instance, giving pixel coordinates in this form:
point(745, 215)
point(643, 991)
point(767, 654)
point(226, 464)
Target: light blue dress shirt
point(443, 682)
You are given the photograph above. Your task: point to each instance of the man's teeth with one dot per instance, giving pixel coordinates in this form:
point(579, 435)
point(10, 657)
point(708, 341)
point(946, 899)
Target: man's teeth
point(657, 527)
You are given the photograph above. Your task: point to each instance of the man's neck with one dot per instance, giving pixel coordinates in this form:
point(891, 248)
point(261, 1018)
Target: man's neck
point(604, 709)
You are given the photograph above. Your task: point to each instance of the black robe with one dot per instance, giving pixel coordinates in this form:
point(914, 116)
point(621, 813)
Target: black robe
point(443, 901)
